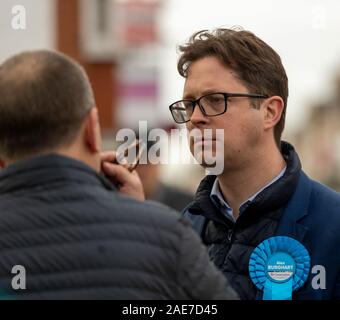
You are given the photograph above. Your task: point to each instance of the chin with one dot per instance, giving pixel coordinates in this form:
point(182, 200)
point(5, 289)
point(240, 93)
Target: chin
point(206, 160)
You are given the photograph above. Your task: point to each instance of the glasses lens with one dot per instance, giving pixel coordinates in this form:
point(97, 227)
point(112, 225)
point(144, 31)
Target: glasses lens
point(181, 111)
point(213, 104)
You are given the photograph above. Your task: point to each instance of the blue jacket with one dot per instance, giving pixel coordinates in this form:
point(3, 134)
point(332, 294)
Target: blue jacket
point(311, 215)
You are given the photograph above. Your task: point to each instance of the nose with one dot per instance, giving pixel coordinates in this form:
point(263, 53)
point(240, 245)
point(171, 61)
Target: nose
point(198, 118)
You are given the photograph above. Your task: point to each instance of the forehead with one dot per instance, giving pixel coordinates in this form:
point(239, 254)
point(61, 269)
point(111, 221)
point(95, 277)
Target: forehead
point(209, 74)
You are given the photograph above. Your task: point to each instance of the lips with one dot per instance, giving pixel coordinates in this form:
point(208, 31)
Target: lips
point(196, 139)
point(205, 142)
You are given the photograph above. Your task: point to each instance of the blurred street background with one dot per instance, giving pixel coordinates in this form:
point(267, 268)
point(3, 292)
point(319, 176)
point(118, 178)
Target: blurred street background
point(129, 49)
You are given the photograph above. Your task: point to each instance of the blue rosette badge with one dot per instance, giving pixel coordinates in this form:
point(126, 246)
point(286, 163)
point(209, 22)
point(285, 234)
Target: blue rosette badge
point(278, 266)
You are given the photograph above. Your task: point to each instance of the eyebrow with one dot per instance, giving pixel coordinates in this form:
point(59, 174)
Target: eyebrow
point(207, 91)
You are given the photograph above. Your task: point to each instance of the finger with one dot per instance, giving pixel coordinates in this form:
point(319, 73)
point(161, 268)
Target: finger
point(109, 156)
point(116, 172)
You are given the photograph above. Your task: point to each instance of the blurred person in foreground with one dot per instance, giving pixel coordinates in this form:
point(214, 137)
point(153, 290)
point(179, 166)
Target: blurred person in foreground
point(76, 236)
point(236, 82)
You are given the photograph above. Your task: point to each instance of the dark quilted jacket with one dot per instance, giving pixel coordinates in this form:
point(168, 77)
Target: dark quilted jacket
point(80, 239)
point(231, 244)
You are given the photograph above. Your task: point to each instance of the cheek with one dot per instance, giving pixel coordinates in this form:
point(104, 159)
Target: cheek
point(241, 132)
point(250, 131)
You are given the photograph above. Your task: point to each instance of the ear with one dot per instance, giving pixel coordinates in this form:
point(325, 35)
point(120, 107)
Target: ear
point(92, 131)
point(273, 109)
point(2, 164)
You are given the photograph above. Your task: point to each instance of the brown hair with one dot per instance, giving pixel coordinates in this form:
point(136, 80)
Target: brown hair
point(257, 65)
point(44, 97)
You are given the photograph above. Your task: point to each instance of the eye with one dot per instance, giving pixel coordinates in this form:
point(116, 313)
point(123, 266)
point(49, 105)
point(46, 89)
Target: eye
point(214, 98)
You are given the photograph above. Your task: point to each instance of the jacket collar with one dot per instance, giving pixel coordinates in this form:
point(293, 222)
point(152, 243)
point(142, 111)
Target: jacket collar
point(47, 169)
point(275, 196)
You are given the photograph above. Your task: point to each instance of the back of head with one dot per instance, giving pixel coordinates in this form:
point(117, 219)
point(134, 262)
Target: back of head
point(44, 97)
point(256, 64)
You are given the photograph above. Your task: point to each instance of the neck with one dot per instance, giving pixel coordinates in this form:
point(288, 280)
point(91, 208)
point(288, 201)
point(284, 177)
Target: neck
point(74, 151)
point(239, 185)
point(77, 152)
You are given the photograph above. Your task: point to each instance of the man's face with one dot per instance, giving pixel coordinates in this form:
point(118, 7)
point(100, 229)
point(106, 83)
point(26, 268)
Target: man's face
point(242, 123)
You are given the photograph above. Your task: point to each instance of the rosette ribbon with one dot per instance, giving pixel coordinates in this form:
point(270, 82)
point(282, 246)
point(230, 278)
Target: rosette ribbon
point(278, 266)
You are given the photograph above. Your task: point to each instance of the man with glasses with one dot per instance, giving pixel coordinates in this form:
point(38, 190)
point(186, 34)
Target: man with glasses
point(236, 82)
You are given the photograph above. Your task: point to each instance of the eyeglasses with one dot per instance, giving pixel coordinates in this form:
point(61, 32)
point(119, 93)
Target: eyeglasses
point(212, 104)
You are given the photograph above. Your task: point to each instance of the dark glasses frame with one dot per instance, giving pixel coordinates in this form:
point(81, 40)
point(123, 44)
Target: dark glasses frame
point(226, 96)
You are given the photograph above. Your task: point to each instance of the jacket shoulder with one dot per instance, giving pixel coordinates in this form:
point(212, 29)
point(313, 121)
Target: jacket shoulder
point(324, 207)
point(324, 196)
